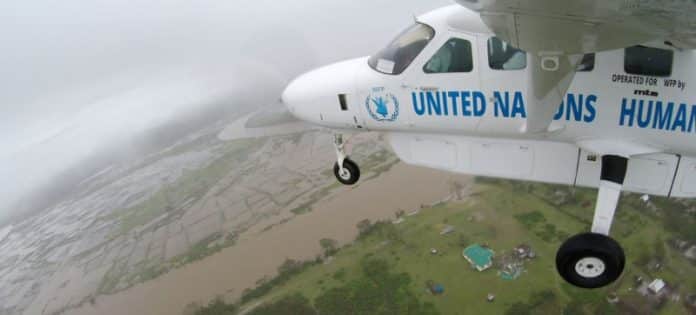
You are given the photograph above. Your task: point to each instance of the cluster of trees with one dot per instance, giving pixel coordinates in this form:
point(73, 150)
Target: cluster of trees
point(376, 291)
point(676, 215)
point(286, 271)
point(384, 229)
point(547, 302)
point(329, 246)
point(530, 219)
point(541, 302)
point(215, 307)
point(295, 304)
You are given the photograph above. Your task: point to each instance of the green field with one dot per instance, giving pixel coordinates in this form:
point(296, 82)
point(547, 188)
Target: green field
point(501, 215)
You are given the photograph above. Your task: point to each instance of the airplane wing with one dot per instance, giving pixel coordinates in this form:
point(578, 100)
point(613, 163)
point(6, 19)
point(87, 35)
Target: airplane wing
point(583, 26)
point(555, 33)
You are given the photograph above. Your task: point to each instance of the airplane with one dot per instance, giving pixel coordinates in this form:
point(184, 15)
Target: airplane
point(585, 93)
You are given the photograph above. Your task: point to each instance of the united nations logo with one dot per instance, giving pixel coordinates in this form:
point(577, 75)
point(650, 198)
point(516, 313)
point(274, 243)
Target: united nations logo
point(382, 107)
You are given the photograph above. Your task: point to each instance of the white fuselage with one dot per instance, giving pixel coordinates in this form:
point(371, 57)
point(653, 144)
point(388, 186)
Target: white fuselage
point(473, 122)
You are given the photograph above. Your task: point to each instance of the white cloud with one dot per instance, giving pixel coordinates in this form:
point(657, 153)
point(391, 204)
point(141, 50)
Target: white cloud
point(79, 76)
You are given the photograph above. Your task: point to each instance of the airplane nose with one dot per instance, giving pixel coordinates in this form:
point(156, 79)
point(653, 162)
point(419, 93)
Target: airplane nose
point(300, 97)
point(316, 92)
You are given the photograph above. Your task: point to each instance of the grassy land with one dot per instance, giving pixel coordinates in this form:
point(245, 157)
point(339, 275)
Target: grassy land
point(503, 215)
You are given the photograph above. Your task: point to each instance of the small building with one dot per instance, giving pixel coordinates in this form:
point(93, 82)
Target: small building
point(511, 271)
point(690, 253)
point(638, 280)
point(524, 251)
point(438, 289)
point(490, 297)
point(691, 300)
point(679, 245)
point(447, 230)
point(645, 198)
point(656, 286)
point(434, 288)
point(479, 257)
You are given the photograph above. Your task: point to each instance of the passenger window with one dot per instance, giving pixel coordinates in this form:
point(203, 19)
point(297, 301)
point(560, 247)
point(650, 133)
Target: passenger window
point(648, 61)
point(586, 64)
point(502, 56)
point(454, 56)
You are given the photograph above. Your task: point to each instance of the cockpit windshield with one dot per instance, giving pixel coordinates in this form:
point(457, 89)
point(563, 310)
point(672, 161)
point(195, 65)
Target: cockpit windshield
point(399, 54)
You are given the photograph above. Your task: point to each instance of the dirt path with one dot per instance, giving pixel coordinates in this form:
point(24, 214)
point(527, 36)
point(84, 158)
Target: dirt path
point(233, 269)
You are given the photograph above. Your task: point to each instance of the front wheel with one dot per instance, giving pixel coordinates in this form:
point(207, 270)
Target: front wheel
point(350, 173)
point(590, 260)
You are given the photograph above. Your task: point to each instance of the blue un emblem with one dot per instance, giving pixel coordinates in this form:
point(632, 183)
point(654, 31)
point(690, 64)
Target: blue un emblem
point(382, 107)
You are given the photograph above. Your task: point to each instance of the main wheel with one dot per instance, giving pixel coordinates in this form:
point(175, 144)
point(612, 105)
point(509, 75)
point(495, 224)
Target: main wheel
point(350, 173)
point(590, 260)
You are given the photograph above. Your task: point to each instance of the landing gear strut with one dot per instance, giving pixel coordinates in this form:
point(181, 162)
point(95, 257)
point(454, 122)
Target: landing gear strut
point(593, 260)
point(345, 170)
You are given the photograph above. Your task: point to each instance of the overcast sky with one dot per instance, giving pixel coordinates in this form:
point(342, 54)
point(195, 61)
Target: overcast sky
point(80, 76)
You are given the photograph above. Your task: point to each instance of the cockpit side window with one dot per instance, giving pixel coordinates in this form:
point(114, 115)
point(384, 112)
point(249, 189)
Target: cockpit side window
point(502, 56)
point(399, 54)
point(454, 56)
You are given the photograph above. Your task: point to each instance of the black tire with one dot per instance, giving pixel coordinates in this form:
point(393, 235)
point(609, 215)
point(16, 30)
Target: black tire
point(351, 175)
point(590, 260)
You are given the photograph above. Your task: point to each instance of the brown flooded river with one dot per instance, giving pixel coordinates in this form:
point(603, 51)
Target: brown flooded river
point(257, 255)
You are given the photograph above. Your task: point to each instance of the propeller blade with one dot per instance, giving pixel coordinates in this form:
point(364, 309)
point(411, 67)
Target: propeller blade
point(268, 121)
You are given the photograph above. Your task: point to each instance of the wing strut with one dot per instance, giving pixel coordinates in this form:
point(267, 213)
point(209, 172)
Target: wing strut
point(610, 184)
point(547, 83)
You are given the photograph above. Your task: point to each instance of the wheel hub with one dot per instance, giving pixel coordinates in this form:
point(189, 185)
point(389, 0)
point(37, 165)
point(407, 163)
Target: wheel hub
point(344, 174)
point(590, 267)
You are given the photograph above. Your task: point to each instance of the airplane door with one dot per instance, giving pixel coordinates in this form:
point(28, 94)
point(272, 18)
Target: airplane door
point(442, 85)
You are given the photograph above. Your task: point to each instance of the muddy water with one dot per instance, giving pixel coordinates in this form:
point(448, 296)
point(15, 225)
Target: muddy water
point(233, 269)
